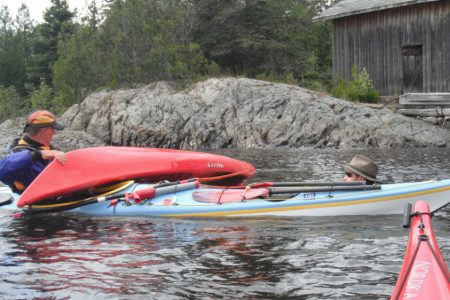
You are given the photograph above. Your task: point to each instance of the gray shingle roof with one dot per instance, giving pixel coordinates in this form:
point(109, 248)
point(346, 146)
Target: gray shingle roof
point(353, 7)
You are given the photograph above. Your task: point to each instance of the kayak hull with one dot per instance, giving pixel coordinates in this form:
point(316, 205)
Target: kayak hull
point(389, 200)
point(93, 167)
point(424, 273)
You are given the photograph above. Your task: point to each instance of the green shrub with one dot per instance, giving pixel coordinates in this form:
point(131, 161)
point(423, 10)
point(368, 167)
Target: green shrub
point(46, 98)
point(12, 105)
point(359, 89)
point(315, 85)
point(280, 78)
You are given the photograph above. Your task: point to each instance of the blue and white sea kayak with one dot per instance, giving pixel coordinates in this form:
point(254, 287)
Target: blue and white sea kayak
point(312, 201)
point(189, 200)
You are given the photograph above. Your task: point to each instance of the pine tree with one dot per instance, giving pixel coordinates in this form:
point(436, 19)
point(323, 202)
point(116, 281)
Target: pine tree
point(57, 27)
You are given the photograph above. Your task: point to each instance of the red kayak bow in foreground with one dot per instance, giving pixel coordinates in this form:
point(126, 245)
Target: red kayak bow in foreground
point(424, 273)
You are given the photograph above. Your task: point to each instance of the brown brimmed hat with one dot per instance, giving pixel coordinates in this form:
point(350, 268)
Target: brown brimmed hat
point(41, 119)
point(364, 167)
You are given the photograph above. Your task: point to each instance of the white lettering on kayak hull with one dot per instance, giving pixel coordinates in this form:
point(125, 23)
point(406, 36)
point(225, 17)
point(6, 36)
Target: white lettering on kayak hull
point(417, 276)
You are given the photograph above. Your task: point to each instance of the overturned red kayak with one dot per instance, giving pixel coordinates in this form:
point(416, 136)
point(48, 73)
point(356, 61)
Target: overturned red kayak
point(93, 167)
point(424, 273)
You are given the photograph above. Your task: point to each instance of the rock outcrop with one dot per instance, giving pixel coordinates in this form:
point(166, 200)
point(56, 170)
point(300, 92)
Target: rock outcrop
point(241, 113)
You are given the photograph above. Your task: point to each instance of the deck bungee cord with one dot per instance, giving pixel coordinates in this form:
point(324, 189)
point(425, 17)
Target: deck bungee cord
point(439, 208)
point(424, 273)
point(217, 194)
point(113, 193)
point(183, 199)
point(110, 193)
point(106, 193)
point(422, 238)
point(117, 195)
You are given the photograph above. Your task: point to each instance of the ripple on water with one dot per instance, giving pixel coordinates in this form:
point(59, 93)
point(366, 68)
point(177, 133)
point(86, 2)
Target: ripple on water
point(358, 257)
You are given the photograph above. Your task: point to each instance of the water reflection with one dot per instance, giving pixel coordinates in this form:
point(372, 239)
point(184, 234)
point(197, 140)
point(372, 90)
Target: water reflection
point(69, 257)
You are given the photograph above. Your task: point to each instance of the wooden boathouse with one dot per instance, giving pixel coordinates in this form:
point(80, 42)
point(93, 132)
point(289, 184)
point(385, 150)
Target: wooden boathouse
point(403, 44)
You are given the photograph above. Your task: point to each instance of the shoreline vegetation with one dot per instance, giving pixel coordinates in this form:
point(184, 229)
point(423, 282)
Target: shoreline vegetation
point(123, 53)
point(123, 44)
point(234, 112)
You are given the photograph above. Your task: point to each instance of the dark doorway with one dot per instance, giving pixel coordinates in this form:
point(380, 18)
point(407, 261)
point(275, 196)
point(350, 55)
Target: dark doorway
point(412, 69)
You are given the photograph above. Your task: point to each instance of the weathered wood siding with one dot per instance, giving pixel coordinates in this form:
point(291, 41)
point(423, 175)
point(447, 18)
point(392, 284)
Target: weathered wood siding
point(374, 41)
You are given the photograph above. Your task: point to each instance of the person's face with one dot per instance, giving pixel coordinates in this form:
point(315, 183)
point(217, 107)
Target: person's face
point(350, 177)
point(47, 134)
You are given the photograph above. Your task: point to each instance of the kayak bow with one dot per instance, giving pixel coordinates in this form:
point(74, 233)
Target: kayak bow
point(424, 273)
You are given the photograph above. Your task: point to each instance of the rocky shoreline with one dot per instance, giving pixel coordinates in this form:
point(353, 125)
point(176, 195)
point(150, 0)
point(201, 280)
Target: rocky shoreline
point(233, 113)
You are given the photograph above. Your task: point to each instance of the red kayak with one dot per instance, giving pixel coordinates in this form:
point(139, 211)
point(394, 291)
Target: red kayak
point(424, 273)
point(93, 167)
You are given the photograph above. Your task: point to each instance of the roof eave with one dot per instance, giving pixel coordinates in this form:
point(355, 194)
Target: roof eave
point(371, 9)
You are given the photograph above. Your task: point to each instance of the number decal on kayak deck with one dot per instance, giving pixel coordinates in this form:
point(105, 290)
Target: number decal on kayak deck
point(309, 196)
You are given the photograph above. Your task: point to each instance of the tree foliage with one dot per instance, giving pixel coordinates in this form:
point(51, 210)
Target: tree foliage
point(56, 28)
point(12, 104)
point(15, 49)
point(258, 38)
point(120, 43)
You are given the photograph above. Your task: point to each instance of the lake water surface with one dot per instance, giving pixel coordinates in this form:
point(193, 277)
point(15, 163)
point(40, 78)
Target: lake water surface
point(68, 257)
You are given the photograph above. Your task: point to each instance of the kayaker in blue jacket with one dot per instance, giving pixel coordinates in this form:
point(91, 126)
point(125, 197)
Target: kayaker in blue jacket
point(29, 155)
point(361, 168)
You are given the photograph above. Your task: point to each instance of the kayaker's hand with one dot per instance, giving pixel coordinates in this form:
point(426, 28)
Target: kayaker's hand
point(54, 154)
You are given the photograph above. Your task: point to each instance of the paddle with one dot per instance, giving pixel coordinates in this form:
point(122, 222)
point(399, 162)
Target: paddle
point(292, 190)
point(306, 183)
point(137, 196)
point(162, 189)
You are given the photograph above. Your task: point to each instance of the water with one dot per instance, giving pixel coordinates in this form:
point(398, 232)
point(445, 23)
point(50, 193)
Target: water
point(359, 257)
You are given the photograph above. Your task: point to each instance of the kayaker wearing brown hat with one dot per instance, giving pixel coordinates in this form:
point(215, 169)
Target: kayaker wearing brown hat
point(31, 153)
point(361, 168)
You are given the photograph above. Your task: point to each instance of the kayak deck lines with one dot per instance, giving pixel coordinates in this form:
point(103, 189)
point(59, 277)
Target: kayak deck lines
point(188, 198)
point(424, 273)
point(388, 200)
